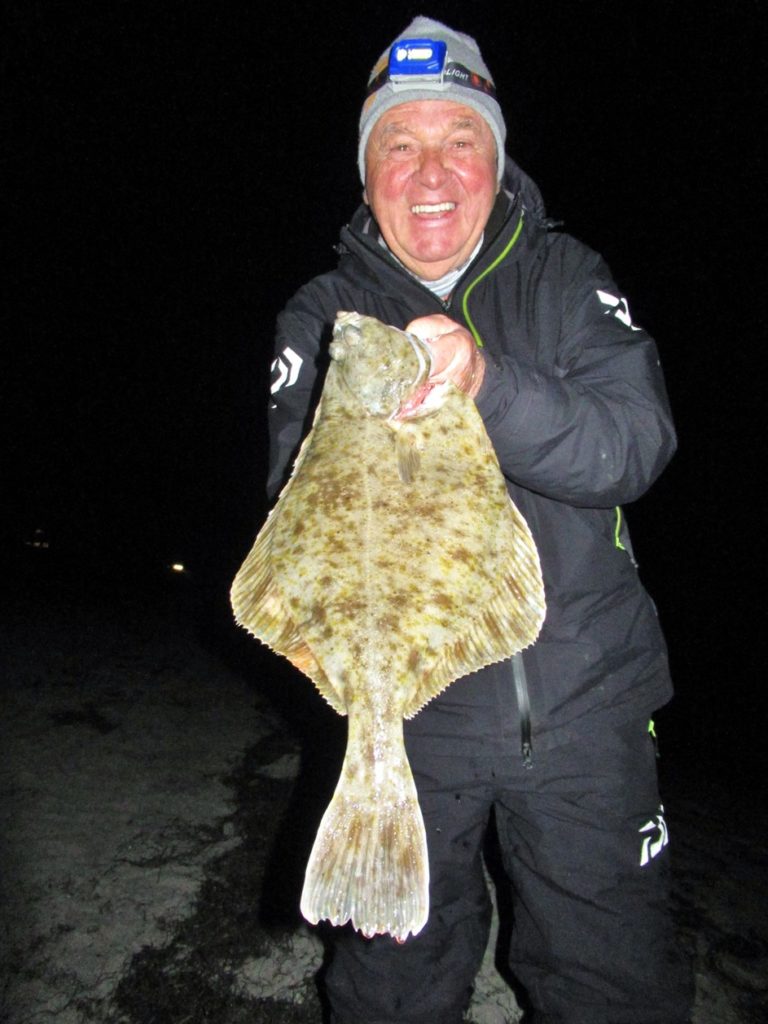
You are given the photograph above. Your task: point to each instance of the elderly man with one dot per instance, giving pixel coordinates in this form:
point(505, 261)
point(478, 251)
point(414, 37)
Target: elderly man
point(453, 244)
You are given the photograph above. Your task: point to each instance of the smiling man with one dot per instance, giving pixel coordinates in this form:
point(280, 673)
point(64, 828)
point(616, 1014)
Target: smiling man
point(452, 242)
point(430, 181)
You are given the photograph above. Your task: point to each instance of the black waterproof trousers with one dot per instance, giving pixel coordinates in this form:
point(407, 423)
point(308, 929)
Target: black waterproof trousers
point(584, 842)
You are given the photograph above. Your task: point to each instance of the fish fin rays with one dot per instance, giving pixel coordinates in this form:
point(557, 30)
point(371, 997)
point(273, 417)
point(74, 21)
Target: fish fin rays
point(369, 864)
point(259, 608)
point(510, 623)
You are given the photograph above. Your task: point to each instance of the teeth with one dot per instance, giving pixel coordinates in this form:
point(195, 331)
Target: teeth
point(433, 207)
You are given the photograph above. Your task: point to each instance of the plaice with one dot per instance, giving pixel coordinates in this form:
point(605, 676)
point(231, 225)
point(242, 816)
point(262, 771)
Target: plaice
point(393, 563)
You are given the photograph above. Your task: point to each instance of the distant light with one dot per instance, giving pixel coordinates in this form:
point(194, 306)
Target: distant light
point(178, 567)
point(38, 540)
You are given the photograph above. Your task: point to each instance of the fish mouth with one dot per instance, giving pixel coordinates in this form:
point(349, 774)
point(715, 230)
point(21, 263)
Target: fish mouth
point(416, 403)
point(423, 355)
point(433, 208)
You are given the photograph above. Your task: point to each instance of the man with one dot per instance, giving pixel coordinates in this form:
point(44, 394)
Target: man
point(452, 243)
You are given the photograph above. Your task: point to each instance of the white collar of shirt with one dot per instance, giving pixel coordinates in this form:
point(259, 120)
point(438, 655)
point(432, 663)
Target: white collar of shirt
point(445, 285)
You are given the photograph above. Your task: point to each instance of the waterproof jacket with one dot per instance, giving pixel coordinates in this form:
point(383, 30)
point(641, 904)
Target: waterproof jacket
point(574, 402)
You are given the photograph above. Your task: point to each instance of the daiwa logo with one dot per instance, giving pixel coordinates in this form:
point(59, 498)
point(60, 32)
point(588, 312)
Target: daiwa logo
point(618, 307)
point(655, 840)
point(287, 366)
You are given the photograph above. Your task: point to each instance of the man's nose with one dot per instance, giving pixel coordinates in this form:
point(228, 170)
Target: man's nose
point(432, 169)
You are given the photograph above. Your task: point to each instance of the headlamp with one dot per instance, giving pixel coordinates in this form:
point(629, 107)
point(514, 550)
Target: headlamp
point(411, 59)
point(422, 62)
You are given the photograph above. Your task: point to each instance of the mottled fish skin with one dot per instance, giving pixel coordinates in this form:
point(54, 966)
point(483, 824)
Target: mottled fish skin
point(392, 564)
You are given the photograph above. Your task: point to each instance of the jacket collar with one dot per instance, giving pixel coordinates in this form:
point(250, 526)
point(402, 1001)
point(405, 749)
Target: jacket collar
point(360, 242)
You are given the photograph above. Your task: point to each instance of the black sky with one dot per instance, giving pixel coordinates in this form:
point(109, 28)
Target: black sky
point(179, 169)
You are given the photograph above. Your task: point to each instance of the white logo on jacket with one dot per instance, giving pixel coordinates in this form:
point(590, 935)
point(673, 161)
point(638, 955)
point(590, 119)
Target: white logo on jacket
point(287, 366)
point(656, 839)
point(618, 307)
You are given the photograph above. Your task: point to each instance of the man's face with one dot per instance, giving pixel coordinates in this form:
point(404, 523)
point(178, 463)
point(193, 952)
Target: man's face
point(430, 180)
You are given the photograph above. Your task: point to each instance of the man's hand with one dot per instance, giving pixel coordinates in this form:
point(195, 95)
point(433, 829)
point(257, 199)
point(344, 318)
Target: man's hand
point(455, 356)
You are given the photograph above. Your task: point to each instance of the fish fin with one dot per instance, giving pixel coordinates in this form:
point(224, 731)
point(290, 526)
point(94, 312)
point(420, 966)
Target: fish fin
point(369, 862)
point(259, 607)
point(509, 622)
point(408, 458)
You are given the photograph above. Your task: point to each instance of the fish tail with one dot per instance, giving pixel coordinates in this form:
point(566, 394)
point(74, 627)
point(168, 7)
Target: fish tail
point(369, 862)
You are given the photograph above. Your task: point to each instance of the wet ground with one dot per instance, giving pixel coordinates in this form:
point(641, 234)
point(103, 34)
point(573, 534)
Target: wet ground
point(157, 767)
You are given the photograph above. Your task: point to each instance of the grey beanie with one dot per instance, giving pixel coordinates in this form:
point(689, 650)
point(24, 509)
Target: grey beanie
point(468, 82)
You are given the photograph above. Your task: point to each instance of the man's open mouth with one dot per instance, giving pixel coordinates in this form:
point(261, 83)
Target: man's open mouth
point(433, 207)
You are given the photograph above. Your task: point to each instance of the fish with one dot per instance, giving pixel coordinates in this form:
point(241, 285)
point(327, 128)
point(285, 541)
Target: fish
point(393, 563)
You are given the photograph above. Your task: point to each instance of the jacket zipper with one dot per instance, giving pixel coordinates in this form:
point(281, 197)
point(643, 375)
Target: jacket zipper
point(524, 708)
point(491, 267)
point(518, 665)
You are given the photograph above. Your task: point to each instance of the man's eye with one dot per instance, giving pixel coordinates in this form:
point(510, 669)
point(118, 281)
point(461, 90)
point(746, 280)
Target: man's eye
point(400, 150)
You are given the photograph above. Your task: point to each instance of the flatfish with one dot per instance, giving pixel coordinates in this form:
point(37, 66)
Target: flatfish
point(393, 563)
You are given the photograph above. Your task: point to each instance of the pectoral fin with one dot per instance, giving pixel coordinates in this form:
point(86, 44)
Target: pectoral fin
point(407, 453)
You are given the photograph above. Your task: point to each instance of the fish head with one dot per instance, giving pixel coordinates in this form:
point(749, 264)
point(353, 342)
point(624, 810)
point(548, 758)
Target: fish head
point(380, 365)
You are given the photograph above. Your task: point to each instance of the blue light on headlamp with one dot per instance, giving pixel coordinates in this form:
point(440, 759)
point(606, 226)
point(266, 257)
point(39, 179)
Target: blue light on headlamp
point(416, 59)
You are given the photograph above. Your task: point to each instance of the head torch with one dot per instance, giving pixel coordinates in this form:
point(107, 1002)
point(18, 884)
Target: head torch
point(415, 63)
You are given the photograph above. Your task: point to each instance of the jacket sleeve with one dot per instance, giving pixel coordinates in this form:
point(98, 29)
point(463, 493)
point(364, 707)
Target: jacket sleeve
point(586, 420)
point(294, 387)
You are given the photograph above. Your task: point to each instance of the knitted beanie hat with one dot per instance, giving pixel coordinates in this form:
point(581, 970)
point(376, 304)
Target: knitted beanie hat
point(463, 78)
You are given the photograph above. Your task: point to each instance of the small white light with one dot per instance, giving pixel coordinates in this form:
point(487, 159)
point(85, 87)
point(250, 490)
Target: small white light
point(178, 567)
point(416, 53)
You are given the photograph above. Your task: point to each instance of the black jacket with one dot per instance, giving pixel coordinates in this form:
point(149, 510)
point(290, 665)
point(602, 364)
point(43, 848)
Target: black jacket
point(574, 402)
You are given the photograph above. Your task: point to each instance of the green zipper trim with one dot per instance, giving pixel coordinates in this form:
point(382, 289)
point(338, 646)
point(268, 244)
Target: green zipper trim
point(510, 245)
point(617, 531)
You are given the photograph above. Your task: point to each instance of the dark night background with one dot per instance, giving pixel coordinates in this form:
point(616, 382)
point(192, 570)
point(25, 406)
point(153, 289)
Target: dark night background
point(177, 170)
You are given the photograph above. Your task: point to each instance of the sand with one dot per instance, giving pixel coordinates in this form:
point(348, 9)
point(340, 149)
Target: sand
point(153, 841)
